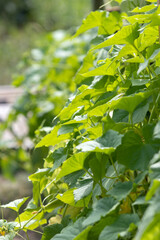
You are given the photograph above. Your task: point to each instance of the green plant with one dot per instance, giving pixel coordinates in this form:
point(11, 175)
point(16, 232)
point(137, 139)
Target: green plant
point(101, 177)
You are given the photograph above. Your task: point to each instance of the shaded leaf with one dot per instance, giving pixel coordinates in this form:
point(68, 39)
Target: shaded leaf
point(120, 227)
point(121, 190)
point(101, 208)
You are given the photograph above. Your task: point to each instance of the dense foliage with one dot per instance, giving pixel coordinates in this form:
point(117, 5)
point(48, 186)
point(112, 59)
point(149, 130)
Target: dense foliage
point(100, 179)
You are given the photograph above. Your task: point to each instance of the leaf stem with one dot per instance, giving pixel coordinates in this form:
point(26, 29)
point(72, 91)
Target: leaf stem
point(64, 212)
point(154, 106)
point(114, 166)
point(110, 177)
point(27, 235)
point(33, 230)
point(20, 235)
point(32, 218)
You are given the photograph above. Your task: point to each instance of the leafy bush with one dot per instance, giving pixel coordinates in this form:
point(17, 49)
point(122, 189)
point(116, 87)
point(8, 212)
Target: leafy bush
point(101, 177)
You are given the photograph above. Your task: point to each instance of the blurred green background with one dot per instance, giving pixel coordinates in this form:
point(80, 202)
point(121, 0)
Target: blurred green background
point(24, 22)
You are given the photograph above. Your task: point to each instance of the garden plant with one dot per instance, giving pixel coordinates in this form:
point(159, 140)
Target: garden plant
point(100, 179)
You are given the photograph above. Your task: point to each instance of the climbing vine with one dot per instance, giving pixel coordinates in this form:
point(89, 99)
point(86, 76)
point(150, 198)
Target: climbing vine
point(100, 179)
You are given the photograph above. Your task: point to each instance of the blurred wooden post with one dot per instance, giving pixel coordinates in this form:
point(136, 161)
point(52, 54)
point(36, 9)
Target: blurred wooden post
point(97, 4)
point(158, 3)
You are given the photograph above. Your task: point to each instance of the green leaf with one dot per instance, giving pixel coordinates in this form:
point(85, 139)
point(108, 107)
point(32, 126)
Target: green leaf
point(156, 133)
point(143, 65)
point(58, 157)
point(143, 9)
point(72, 164)
point(135, 152)
point(94, 19)
point(140, 112)
point(128, 103)
point(70, 232)
point(101, 208)
point(109, 68)
point(83, 190)
point(68, 128)
point(121, 190)
point(15, 205)
point(51, 230)
point(155, 185)
point(37, 176)
point(120, 227)
point(84, 234)
point(106, 144)
point(126, 35)
point(149, 227)
point(29, 222)
point(52, 138)
point(97, 164)
point(68, 198)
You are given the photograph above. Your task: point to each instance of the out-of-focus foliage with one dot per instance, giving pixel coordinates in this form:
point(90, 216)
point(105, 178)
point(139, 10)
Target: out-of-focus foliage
point(50, 14)
point(47, 81)
point(16, 12)
point(37, 17)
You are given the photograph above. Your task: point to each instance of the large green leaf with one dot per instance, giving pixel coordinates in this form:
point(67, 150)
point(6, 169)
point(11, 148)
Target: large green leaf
point(121, 190)
point(101, 208)
point(94, 19)
point(84, 234)
point(72, 164)
point(68, 198)
point(68, 128)
point(136, 151)
point(106, 144)
point(143, 9)
point(83, 190)
point(128, 103)
point(50, 231)
point(70, 232)
point(124, 224)
point(126, 35)
point(155, 185)
point(52, 138)
point(37, 176)
point(57, 157)
point(108, 68)
point(149, 227)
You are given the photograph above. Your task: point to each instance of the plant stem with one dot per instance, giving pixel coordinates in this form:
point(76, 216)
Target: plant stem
point(36, 231)
point(32, 218)
point(114, 166)
point(20, 235)
point(64, 212)
point(27, 235)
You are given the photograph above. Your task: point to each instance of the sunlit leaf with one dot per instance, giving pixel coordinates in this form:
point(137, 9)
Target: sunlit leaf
point(16, 204)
